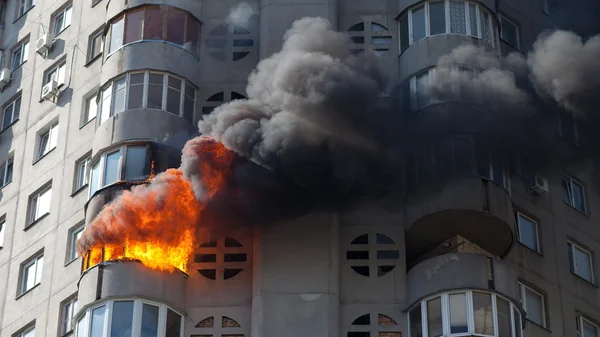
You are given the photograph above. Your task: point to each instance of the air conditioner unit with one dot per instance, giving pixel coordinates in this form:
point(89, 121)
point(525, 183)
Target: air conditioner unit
point(50, 90)
point(5, 76)
point(539, 185)
point(43, 44)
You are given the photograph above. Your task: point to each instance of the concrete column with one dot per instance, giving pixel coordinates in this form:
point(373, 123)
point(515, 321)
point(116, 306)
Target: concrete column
point(277, 16)
point(296, 278)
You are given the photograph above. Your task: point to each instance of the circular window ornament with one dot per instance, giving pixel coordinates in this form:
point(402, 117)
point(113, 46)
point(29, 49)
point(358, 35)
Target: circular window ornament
point(372, 254)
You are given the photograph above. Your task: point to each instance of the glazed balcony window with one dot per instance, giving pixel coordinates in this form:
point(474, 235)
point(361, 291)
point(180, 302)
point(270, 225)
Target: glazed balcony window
point(465, 313)
point(458, 155)
point(446, 17)
point(147, 90)
point(129, 162)
point(154, 23)
point(131, 318)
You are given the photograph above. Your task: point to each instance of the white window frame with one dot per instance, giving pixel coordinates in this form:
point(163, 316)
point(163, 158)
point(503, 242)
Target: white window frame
point(121, 165)
point(574, 261)
point(66, 14)
point(84, 317)
point(92, 99)
point(165, 87)
point(2, 231)
point(10, 108)
point(580, 321)
point(5, 172)
point(479, 15)
point(57, 68)
point(570, 181)
point(37, 262)
point(537, 230)
point(24, 7)
point(25, 332)
point(470, 314)
point(23, 51)
point(517, 29)
point(92, 53)
point(68, 308)
point(74, 234)
point(85, 164)
point(34, 214)
point(52, 134)
point(523, 288)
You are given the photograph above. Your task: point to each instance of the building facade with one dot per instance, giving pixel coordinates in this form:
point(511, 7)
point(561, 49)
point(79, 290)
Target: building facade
point(97, 90)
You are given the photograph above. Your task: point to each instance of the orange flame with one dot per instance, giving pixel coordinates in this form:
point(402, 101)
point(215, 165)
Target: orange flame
point(156, 223)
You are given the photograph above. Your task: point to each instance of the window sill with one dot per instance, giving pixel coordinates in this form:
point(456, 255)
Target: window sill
point(24, 13)
point(529, 249)
point(9, 125)
point(66, 264)
point(586, 281)
point(578, 211)
point(12, 70)
point(36, 221)
point(92, 60)
point(43, 156)
point(62, 30)
point(77, 191)
point(28, 291)
point(539, 326)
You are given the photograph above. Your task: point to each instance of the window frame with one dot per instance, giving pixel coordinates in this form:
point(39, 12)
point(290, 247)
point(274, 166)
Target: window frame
point(121, 166)
point(575, 129)
point(26, 330)
point(23, 7)
point(12, 104)
point(582, 319)
point(85, 162)
point(537, 231)
point(74, 232)
point(2, 230)
point(90, 98)
point(91, 52)
point(33, 217)
point(72, 303)
point(4, 171)
point(503, 17)
point(573, 261)
point(23, 48)
point(64, 14)
point(445, 305)
point(52, 133)
point(32, 261)
point(56, 68)
point(523, 298)
point(570, 181)
point(479, 15)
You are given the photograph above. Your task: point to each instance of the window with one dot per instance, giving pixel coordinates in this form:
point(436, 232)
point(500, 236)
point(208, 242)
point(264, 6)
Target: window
point(56, 73)
point(68, 309)
point(462, 313)
point(376, 37)
point(27, 332)
point(528, 232)
point(567, 128)
point(62, 19)
point(232, 262)
point(6, 172)
point(39, 204)
point(573, 193)
point(11, 112)
point(148, 90)
point(580, 262)
point(445, 17)
point(107, 169)
point(385, 257)
point(125, 315)
point(90, 109)
point(20, 54)
point(509, 32)
point(229, 43)
point(219, 98)
point(47, 140)
point(534, 304)
point(95, 44)
point(82, 169)
point(585, 327)
point(74, 235)
point(383, 325)
point(31, 273)
point(24, 6)
point(2, 230)
point(155, 23)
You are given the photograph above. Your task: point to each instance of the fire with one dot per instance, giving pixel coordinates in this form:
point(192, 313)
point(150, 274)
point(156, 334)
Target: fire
point(156, 224)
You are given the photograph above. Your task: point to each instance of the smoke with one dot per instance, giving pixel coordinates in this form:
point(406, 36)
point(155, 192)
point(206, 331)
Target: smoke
point(309, 112)
point(240, 14)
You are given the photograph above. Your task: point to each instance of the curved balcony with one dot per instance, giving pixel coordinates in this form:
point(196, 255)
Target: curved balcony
point(124, 292)
point(113, 8)
point(477, 209)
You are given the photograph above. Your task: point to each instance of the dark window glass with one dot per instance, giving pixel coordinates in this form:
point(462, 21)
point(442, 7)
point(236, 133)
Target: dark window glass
point(155, 91)
point(173, 324)
point(174, 95)
point(361, 240)
point(363, 270)
point(382, 239)
point(418, 22)
point(204, 258)
point(359, 27)
point(416, 325)
point(404, 43)
point(135, 165)
point(149, 320)
point(230, 273)
point(358, 39)
point(359, 334)
point(235, 257)
point(133, 30)
point(188, 102)
point(238, 55)
point(122, 319)
point(388, 254)
point(136, 91)
point(153, 24)
point(229, 242)
point(382, 270)
point(243, 43)
point(176, 26)
point(237, 95)
point(357, 255)
point(208, 273)
point(362, 320)
point(193, 33)
point(434, 317)
point(437, 18)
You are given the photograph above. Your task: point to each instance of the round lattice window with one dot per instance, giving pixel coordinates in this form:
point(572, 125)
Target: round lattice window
point(385, 326)
point(222, 259)
point(229, 43)
point(228, 328)
point(219, 98)
point(372, 254)
point(370, 35)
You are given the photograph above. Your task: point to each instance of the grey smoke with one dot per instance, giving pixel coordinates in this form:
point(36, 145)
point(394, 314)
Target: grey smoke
point(240, 14)
point(308, 110)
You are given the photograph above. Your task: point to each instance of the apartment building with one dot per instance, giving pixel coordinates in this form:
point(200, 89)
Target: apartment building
point(94, 91)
